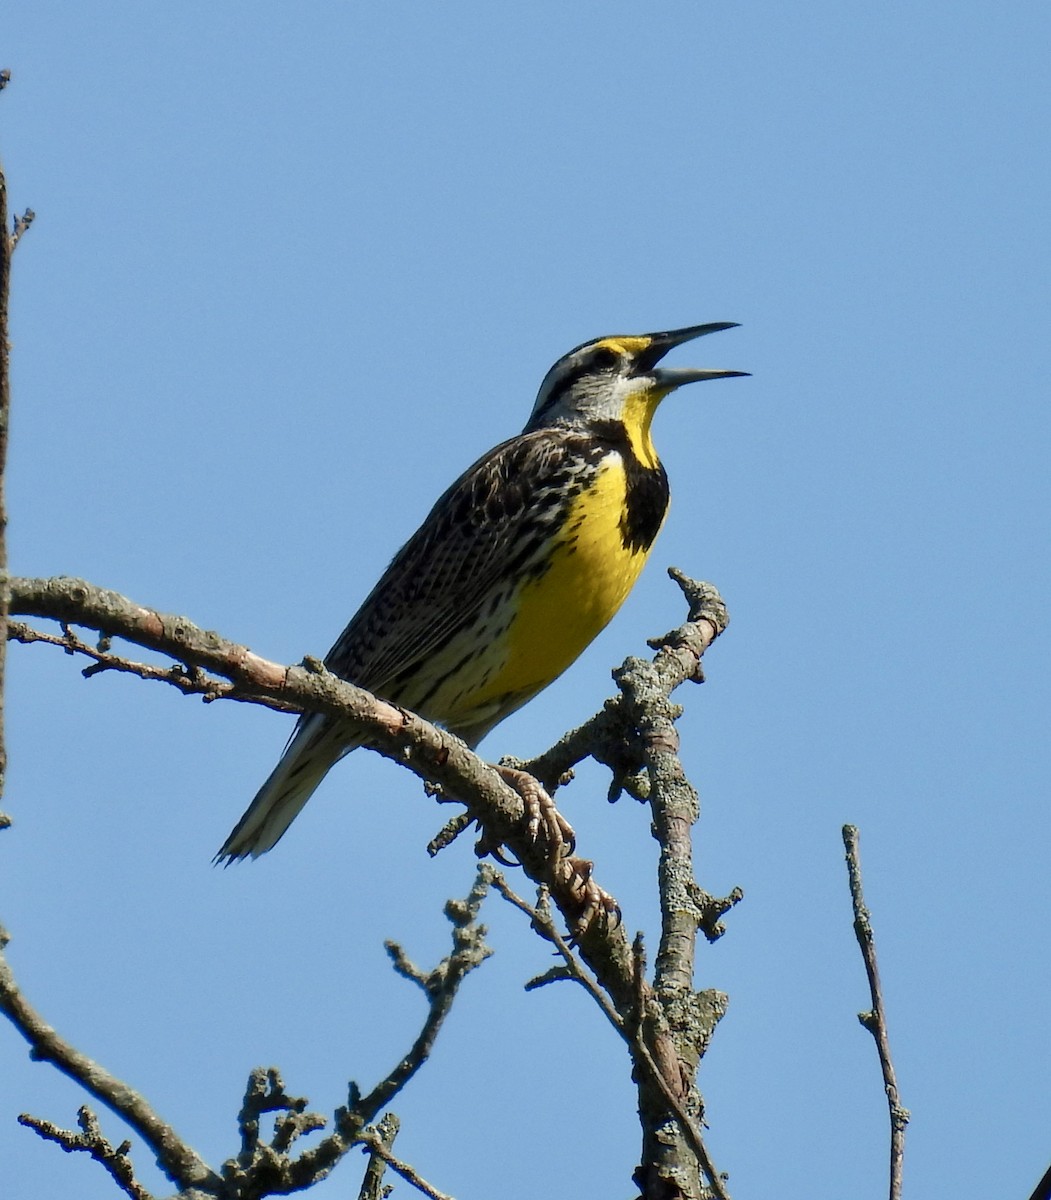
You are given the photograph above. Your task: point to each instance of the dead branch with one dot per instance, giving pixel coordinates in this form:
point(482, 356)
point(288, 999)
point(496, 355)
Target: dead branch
point(384, 1133)
point(267, 1166)
point(378, 1149)
point(573, 969)
point(875, 1020)
point(436, 756)
point(91, 1140)
point(676, 1022)
point(174, 1156)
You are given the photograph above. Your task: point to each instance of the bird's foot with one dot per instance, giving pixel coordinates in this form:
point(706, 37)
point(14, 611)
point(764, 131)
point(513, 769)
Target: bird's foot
point(544, 823)
point(573, 879)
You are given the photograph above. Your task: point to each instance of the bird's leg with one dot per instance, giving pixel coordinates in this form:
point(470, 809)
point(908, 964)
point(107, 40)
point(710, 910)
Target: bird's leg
point(541, 814)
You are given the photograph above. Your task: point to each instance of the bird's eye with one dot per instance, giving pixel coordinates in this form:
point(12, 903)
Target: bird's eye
point(603, 358)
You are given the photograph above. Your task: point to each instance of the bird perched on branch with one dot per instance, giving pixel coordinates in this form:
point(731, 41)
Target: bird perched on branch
point(517, 568)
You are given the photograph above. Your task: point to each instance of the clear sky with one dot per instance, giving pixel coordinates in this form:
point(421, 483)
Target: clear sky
point(295, 266)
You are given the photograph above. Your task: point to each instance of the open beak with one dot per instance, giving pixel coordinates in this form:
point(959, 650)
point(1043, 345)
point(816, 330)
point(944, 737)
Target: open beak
point(673, 377)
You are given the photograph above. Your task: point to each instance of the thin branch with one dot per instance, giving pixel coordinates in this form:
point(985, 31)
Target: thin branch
point(21, 224)
point(267, 1167)
point(431, 753)
point(378, 1149)
point(176, 1158)
point(875, 1020)
point(8, 240)
point(440, 986)
point(7, 245)
point(190, 680)
point(540, 916)
point(91, 1140)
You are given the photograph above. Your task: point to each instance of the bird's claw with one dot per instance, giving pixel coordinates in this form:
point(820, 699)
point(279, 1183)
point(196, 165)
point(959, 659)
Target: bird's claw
point(574, 876)
point(545, 825)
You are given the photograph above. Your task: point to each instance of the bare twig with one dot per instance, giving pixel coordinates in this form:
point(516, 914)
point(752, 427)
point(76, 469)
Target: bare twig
point(21, 224)
point(7, 245)
point(875, 1020)
point(265, 1167)
point(176, 1158)
point(540, 917)
point(191, 681)
point(376, 1146)
point(8, 240)
point(91, 1140)
point(448, 833)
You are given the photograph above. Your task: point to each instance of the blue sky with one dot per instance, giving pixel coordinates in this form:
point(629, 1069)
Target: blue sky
point(294, 268)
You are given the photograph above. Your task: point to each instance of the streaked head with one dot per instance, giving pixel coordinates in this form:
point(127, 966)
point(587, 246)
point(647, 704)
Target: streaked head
point(618, 379)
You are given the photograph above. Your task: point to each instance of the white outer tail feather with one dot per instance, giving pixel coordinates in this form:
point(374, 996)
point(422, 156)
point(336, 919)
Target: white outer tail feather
point(313, 748)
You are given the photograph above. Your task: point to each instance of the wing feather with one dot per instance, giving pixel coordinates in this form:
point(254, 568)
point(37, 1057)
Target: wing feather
point(483, 529)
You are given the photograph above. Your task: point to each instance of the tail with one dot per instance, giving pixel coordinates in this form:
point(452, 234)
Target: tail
point(315, 745)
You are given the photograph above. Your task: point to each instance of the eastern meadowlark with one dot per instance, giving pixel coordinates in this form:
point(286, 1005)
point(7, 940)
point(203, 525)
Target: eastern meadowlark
point(519, 565)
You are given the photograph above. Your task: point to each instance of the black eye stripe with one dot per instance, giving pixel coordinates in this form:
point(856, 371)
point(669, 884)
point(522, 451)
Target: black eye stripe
point(599, 360)
point(604, 357)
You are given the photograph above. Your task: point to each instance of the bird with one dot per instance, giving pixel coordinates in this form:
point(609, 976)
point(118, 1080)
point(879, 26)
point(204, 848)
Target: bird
point(519, 565)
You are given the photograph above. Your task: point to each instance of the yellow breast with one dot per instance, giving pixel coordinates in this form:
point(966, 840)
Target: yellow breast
point(591, 572)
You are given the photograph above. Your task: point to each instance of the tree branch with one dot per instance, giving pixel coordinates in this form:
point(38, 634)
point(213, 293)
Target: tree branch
point(91, 1140)
point(377, 1147)
point(574, 970)
point(677, 1022)
point(9, 238)
point(875, 1020)
point(267, 1167)
point(174, 1156)
point(435, 755)
point(372, 1183)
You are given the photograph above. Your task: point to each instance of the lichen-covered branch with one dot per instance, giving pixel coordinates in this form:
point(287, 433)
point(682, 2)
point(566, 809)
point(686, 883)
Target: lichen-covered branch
point(267, 1166)
point(383, 1135)
point(573, 969)
point(675, 1022)
point(374, 1142)
point(90, 1140)
point(264, 1165)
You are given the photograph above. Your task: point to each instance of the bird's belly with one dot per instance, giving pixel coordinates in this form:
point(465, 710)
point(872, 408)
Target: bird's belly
point(590, 572)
